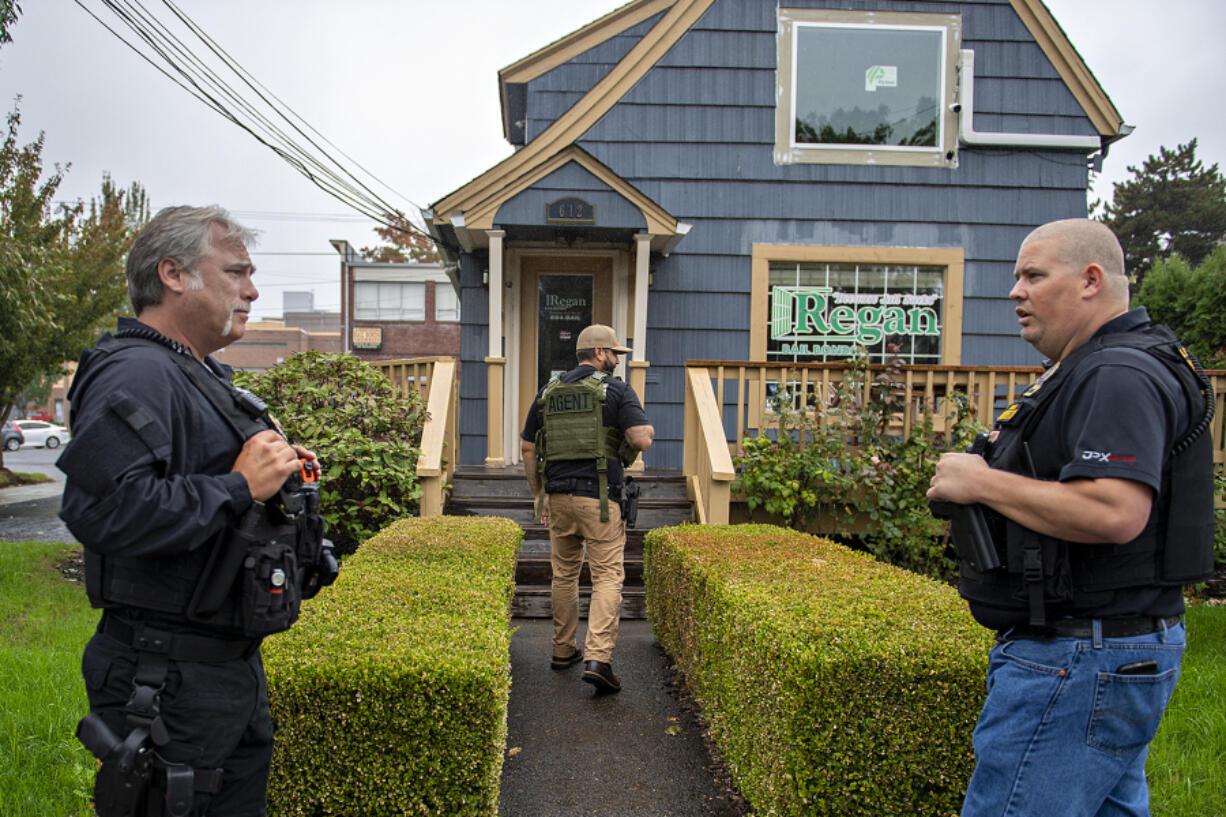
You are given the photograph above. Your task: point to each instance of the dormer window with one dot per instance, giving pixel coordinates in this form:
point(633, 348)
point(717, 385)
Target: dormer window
point(860, 87)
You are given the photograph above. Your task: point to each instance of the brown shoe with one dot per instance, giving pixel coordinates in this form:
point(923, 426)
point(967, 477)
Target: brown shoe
point(600, 675)
point(558, 662)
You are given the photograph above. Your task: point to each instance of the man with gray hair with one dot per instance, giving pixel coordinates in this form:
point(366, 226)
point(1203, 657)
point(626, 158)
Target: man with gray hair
point(200, 537)
point(1097, 488)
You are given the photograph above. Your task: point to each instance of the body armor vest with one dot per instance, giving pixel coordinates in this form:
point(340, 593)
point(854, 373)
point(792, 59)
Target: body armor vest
point(250, 580)
point(1176, 546)
point(572, 428)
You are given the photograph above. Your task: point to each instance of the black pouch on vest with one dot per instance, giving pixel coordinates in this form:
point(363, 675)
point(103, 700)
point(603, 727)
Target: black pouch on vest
point(1188, 556)
point(271, 587)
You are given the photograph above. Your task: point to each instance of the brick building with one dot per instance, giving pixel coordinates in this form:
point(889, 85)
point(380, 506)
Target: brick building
point(269, 343)
point(394, 310)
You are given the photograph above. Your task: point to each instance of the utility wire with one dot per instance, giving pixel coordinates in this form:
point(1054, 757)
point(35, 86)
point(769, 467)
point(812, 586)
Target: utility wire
point(203, 83)
point(261, 90)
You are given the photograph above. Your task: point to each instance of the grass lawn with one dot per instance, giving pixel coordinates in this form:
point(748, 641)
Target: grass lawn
point(45, 622)
point(8, 478)
point(1187, 758)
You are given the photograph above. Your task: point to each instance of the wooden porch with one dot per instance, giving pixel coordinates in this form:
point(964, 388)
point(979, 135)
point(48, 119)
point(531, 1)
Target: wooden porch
point(727, 400)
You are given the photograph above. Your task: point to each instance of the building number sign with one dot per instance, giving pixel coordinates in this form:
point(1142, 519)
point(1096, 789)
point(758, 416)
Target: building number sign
point(570, 210)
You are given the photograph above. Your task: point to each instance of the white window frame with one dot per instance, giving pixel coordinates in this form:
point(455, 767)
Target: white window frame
point(450, 315)
point(791, 20)
point(388, 314)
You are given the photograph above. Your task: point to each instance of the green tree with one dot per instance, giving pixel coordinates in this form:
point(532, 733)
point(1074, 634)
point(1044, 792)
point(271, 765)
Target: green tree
point(1172, 205)
point(61, 270)
point(1192, 301)
point(8, 16)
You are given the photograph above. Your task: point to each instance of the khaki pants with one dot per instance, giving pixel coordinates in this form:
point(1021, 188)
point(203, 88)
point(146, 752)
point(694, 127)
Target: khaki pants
point(574, 520)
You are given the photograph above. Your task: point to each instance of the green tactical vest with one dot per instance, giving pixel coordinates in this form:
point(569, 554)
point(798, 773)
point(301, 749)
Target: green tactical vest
point(573, 428)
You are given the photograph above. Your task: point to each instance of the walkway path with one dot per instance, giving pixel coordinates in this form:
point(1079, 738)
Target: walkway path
point(31, 512)
point(572, 752)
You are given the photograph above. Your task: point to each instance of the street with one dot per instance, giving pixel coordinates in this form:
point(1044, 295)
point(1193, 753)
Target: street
point(31, 511)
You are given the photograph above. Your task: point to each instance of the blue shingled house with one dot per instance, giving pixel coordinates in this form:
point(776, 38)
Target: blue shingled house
point(764, 180)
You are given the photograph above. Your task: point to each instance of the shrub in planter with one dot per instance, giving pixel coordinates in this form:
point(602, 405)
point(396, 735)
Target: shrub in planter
point(830, 682)
point(366, 433)
point(390, 694)
point(842, 460)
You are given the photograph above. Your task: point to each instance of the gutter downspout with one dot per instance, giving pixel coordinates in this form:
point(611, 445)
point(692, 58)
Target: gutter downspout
point(967, 134)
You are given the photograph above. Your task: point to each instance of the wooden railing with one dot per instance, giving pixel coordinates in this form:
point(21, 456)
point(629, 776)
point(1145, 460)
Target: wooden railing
point(738, 395)
point(708, 463)
point(434, 378)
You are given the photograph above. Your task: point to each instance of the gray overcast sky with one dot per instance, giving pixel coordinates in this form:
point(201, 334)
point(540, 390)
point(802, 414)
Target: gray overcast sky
point(408, 88)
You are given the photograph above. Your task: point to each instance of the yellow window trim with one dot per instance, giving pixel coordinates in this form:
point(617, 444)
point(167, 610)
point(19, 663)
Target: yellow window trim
point(953, 260)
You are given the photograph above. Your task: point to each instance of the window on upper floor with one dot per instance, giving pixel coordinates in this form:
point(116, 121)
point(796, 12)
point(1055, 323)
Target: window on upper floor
point(389, 301)
point(446, 304)
point(860, 87)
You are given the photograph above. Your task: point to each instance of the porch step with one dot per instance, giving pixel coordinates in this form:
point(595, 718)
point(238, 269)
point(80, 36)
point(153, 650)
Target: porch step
point(532, 601)
point(504, 492)
point(537, 570)
point(651, 513)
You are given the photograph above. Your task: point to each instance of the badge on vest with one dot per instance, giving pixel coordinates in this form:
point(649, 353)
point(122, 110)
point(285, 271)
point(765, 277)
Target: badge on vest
point(1031, 390)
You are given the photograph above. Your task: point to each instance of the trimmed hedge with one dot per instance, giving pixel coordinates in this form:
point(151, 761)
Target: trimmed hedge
point(390, 694)
point(831, 683)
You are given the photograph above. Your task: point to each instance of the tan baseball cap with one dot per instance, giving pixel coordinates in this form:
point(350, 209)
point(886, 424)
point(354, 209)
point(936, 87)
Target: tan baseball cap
point(599, 335)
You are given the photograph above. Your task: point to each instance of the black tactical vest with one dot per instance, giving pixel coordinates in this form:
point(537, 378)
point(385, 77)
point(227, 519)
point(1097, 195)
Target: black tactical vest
point(1175, 549)
point(246, 582)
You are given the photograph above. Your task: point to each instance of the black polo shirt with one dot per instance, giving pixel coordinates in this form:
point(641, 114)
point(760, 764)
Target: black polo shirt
point(622, 410)
point(1115, 417)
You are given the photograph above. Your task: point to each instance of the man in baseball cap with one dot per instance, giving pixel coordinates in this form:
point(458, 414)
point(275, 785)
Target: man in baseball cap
point(599, 336)
point(585, 425)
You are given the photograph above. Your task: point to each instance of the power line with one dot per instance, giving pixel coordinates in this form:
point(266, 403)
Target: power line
point(202, 82)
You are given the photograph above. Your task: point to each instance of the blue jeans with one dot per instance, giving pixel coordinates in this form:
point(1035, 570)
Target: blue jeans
point(1062, 733)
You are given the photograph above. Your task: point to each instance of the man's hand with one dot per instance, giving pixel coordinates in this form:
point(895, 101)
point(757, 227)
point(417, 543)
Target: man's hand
point(305, 454)
point(266, 461)
point(1076, 510)
point(641, 437)
point(542, 507)
point(958, 478)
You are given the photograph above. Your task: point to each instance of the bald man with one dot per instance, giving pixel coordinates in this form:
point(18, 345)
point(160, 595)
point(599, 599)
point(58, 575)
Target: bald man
point(1097, 486)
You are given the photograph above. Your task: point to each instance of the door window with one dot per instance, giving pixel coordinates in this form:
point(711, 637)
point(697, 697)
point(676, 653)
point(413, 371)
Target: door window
point(564, 310)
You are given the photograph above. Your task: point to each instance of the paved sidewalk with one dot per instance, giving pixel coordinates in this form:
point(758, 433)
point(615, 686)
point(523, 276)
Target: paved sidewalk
point(32, 512)
point(572, 752)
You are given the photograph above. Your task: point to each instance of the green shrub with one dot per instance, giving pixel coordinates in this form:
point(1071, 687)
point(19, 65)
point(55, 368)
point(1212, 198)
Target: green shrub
point(390, 694)
point(830, 682)
point(365, 432)
point(842, 460)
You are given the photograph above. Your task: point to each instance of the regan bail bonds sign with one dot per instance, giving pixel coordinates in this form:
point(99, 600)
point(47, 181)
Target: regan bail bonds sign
point(822, 323)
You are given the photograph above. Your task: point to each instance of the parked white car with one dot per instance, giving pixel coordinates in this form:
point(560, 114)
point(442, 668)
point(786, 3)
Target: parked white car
point(41, 434)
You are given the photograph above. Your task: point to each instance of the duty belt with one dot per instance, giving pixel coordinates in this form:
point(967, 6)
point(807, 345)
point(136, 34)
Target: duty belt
point(580, 486)
point(175, 646)
point(1084, 628)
